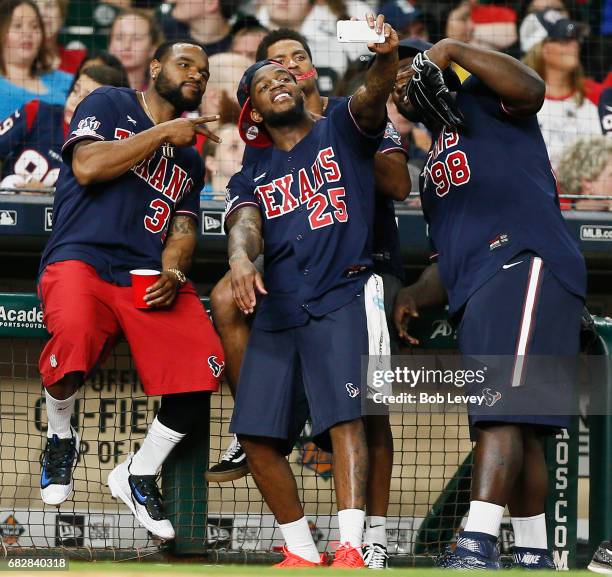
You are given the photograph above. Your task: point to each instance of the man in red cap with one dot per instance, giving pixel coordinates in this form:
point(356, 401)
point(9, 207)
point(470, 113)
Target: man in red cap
point(310, 199)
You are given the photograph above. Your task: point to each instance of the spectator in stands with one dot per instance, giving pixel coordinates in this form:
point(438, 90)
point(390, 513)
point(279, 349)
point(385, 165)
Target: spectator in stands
point(134, 37)
point(25, 64)
point(226, 69)
point(586, 168)
point(205, 21)
point(605, 112)
point(222, 160)
point(405, 19)
point(542, 5)
point(247, 33)
point(317, 22)
point(31, 139)
point(54, 14)
point(103, 58)
point(458, 25)
point(552, 46)
point(495, 27)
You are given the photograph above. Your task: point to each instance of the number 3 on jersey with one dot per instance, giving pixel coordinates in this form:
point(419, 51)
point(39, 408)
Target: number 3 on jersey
point(157, 222)
point(454, 169)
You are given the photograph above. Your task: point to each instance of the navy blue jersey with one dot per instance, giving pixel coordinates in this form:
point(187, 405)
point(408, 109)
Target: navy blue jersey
point(30, 144)
point(317, 206)
point(121, 224)
point(386, 248)
point(489, 193)
point(605, 111)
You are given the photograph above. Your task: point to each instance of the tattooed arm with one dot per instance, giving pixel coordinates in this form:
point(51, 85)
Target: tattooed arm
point(368, 104)
point(177, 254)
point(244, 245)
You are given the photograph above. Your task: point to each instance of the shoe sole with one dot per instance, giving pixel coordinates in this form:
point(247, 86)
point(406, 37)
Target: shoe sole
point(59, 502)
point(226, 476)
point(117, 493)
point(598, 568)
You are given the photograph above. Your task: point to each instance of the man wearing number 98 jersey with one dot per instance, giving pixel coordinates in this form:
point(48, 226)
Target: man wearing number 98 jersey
point(514, 280)
point(31, 138)
point(128, 198)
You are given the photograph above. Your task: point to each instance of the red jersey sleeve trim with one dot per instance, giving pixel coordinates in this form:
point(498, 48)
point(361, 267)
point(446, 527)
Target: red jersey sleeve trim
point(240, 205)
point(188, 213)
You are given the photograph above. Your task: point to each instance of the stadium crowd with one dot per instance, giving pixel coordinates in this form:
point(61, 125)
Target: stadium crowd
point(568, 44)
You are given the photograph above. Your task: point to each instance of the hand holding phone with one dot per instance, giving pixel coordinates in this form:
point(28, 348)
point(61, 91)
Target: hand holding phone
point(358, 31)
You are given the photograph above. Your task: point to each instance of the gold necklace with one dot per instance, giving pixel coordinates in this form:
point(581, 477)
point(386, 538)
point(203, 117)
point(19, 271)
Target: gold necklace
point(146, 108)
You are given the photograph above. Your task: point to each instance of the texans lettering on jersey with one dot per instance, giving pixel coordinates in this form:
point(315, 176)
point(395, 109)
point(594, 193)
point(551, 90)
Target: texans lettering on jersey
point(30, 145)
point(447, 164)
point(324, 170)
point(386, 249)
point(317, 206)
point(121, 224)
point(488, 193)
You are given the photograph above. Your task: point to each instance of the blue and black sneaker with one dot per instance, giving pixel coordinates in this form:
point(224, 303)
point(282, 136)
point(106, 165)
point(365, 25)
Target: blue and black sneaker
point(58, 460)
point(474, 551)
point(531, 558)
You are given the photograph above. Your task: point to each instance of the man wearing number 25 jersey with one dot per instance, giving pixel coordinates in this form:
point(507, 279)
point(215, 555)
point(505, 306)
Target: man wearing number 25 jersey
point(128, 198)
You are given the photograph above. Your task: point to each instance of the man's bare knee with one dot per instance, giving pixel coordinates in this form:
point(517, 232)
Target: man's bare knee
point(225, 311)
point(66, 386)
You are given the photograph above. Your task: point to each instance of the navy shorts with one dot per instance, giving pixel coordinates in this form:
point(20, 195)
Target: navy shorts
point(522, 313)
point(325, 353)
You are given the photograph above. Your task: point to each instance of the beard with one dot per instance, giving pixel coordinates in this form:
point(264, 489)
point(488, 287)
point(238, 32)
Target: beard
point(286, 117)
point(173, 94)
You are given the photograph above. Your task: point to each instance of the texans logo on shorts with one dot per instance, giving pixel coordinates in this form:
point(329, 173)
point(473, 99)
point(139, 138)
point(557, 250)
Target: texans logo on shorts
point(215, 366)
point(491, 397)
point(352, 390)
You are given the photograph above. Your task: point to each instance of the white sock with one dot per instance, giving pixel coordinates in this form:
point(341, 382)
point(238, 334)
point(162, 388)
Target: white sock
point(530, 532)
point(299, 541)
point(484, 518)
point(376, 530)
point(158, 443)
point(350, 523)
point(58, 415)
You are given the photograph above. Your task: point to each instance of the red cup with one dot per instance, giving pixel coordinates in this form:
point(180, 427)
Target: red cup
point(142, 279)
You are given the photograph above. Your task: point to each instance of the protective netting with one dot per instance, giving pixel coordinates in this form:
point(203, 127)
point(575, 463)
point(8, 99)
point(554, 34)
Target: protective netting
point(112, 417)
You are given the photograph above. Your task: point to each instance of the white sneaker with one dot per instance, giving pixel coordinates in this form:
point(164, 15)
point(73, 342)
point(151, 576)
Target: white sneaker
point(58, 461)
point(375, 556)
point(141, 494)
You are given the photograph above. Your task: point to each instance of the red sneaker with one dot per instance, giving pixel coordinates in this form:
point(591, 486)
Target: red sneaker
point(348, 557)
point(292, 561)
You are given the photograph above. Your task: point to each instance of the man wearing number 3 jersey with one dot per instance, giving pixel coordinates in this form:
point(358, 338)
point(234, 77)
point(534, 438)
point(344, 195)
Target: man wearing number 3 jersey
point(515, 282)
point(128, 198)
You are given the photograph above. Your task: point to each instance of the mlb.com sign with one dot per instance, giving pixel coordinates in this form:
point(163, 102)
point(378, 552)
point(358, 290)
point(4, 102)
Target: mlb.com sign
point(596, 232)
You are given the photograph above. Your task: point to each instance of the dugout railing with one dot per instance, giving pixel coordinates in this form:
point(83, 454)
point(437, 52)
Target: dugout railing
point(95, 527)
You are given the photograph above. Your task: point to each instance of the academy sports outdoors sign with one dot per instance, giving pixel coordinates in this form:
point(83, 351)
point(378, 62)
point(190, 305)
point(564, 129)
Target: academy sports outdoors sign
point(21, 316)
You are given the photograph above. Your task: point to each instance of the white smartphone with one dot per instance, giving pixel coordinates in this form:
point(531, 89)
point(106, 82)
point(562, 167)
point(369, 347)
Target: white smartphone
point(358, 31)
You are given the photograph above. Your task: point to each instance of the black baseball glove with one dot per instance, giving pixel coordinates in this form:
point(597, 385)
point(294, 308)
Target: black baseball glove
point(430, 96)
